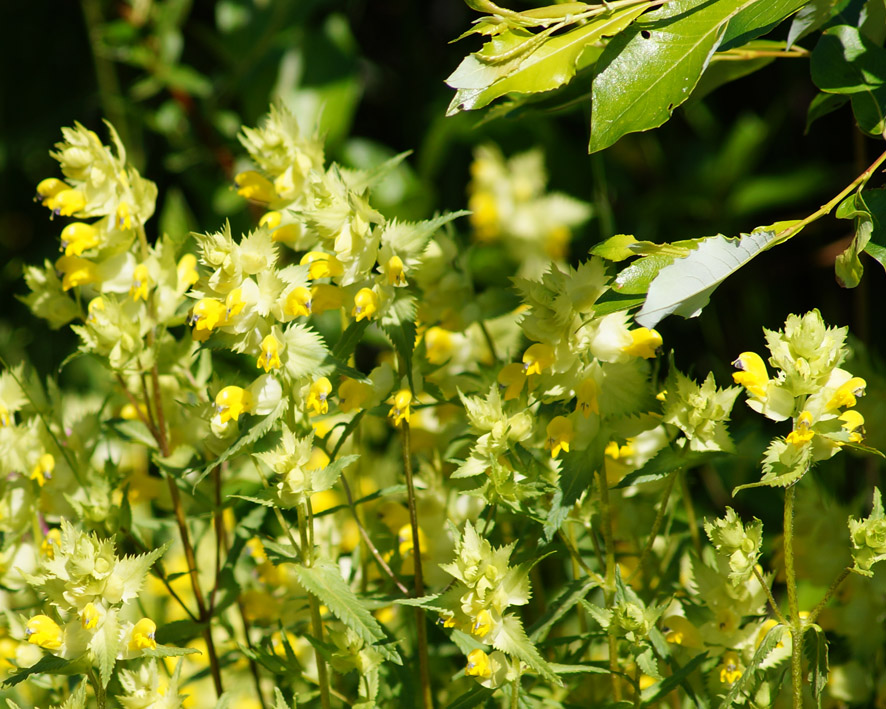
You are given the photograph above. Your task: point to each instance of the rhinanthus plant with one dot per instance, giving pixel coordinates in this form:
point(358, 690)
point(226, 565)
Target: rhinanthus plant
point(357, 453)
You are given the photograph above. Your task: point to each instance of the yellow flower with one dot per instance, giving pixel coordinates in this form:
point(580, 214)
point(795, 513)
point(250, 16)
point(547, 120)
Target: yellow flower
point(5, 417)
point(278, 644)
point(124, 216)
point(537, 357)
point(586, 397)
point(270, 354)
point(271, 220)
point(44, 631)
point(802, 432)
point(322, 265)
point(78, 237)
point(729, 671)
point(256, 550)
point(252, 185)
point(400, 409)
point(353, 394)
point(560, 435)
point(484, 216)
point(49, 187)
point(141, 281)
point(76, 271)
point(325, 296)
point(438, 345)
point(298, 302)
point(482, 624)
point(52, 540)
point(478, 664)
point(186, 272)
point(234, 303)
point(644, 343)
point(365, 304)
point(66, 202)
point(318, 395)
point(89, 616)
point(512, 377)
point(208, 314)
point(43, 470)
point(143, 635)
point(393, 270)
point(753, 375)
point(232, 402)
point(96, 305)
point(847, 394)
point(854, 423)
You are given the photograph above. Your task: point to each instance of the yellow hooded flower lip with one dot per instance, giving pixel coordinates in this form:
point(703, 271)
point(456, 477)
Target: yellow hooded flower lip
point(66, 202)
point(186, 272)
point(537, 357)
point(43, 469)
point(76, 271)
point(511, 378)
point(298, 302)
point(270, 354)
point(365, 304)
point(394, 271)
point(232, 402)
point(89, 616)
point(753, 375)
point(255, 186)
point(439, 345)
point(44, 631)
point(325, 296)
point(124, 216)
point(559, 435)
point(143, 634)
point(49, 187)
point(802, 432)
point(854, 423)
point(478, 664)
point(78, 237)
point(51, 542)
point(353, 394)
point(847, 394)
point(483, 624)
point(322, 265)
point(208, 314)
point(318, 395)
point(400, 410)
point(644, 343)
point(141, 283)
point(586, 397)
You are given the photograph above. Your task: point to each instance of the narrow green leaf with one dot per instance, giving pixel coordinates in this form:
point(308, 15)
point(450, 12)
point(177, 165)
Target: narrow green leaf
point(815, 647)
point(661, 689)
point(848, 266)
point(48, 664)
point(551, 65)
point(757, 20)
point(810, 18)
point(652, 67)
point(167, 651)
point(685, 286)
point(324, 581)
point(666, 461)
point(398, 324)
point(347, 343)
point(876, 203)
point(571, 594)
point(472, 698)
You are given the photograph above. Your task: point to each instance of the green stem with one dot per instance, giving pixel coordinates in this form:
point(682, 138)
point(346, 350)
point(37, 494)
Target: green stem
point(813, 614)
point(421, 627)
point(857, 183)
point(772, 604)
point(316, 620)
point(656, 525)
point(795, 624)
point(691, 518)
point(99, 689)
point(609, 586)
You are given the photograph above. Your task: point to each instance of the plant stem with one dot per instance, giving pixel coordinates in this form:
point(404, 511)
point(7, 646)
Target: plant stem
point(858, 182)
point(609, 585)
point(99, 689)
point(316, 620)
point(691, 518)
point(656, 525)
point(421, 628)
point(772, 604)
point(813, 614)
point(795, 625)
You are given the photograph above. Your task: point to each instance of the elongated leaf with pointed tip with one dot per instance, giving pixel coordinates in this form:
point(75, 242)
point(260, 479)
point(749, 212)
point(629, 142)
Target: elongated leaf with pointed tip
point(48, 664)
point(686, 285)
point(512, 639)
point(324, 581)
point(548, 67)
point(651, 68)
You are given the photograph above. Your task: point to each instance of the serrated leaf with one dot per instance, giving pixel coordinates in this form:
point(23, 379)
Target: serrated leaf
point(576, 476)
point(325, 478)
point(571, 594)
point(815, 647)
point(512, 639)
point(685, 286)
point(783, 465)
point(267, 498)
point(280, 700)
point(472, 698)
point(104, 646)
point(678, 676)
point(665, 462)
point(347, 343)
point(549, 66)
point(130, 571)
point(398, 323)
point(48, 664)
point(773, 637)
point(324, 581)
point(247, 437)
point(648, 664)
point(651, 68)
